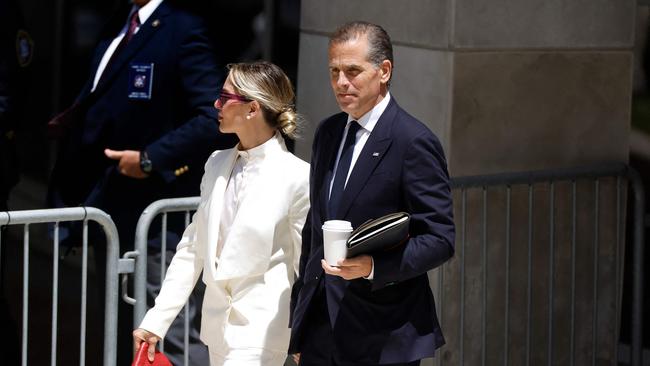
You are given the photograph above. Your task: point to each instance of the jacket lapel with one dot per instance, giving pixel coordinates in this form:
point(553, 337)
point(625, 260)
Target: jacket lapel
point(102, 46)
point(214, 208)
point(146, 31)
point(373, 152)
point(248, 238)
point(327, 160)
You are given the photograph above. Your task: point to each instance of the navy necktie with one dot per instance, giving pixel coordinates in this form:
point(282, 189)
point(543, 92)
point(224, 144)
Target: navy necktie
point(338, 186)
point(134, 23)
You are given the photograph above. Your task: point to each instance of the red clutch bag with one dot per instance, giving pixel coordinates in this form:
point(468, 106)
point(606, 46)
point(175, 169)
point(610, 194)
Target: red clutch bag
point(141, 359)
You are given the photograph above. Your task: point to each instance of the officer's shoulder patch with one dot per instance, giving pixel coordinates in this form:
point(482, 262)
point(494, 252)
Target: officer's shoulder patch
point(24, 48)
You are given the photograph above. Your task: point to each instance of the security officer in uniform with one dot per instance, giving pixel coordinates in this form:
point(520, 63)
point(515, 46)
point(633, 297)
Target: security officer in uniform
point(140, 130)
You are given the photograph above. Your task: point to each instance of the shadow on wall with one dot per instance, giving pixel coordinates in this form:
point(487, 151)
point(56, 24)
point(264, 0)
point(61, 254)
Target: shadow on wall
point(640, 159)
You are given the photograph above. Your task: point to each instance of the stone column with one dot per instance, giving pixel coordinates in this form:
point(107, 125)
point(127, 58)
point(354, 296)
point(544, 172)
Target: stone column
point(507, 85)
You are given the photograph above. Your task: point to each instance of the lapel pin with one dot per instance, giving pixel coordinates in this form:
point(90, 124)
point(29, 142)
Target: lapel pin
point(375, 154)
point(155, 23)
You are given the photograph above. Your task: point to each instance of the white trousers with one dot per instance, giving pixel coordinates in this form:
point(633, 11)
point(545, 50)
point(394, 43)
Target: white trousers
point(248, 357)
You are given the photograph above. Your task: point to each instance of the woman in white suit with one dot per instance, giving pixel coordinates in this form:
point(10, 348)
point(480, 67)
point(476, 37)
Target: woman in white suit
point(245, 236)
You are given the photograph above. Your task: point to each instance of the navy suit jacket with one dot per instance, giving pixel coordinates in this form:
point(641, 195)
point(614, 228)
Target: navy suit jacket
point(392, 318)
point(177, 126)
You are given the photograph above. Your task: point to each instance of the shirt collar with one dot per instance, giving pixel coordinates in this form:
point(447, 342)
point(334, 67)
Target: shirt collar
point(369, 120)
point(145, 12)
point(275, 143)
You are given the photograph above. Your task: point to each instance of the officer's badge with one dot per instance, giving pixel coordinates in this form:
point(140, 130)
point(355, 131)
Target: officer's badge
point(140, 80)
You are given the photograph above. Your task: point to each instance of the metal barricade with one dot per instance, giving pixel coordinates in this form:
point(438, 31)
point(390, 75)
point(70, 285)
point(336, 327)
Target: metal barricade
point(160, 207)
point(563, 191)
point(537, 275)
point(56, 216)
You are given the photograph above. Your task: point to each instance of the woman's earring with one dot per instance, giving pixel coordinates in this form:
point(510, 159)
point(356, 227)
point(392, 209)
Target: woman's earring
point(248, 117)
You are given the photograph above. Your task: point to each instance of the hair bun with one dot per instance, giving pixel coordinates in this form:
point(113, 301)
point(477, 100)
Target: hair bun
point(288, 122)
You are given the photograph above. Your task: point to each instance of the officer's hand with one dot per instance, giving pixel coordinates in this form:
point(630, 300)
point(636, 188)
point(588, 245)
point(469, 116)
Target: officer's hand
point(350, 268)
point(140, 335)
point(129, 162)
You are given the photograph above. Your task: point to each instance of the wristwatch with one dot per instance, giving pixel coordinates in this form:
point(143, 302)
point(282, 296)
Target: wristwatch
point(145, 163)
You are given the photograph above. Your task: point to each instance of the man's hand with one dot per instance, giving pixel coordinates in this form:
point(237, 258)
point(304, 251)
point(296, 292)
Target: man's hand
point(140, 335)
point(350, 268)
point(296, 358)
point(129, 162)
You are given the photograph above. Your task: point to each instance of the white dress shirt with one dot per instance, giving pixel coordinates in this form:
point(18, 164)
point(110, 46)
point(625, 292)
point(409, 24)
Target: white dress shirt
point(143, 14)
point(367, 123)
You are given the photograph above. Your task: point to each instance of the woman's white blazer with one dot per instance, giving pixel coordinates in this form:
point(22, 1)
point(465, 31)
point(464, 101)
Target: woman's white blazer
point(248, 287)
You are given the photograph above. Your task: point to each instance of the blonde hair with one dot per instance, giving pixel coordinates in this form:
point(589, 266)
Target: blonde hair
point(267, 84)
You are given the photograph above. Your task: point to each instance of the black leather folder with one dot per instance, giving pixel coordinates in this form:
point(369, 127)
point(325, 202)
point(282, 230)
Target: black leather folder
point(381, 234)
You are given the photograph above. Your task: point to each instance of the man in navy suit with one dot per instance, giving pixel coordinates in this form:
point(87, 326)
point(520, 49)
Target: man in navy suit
point(371, 160)
point(141, 129)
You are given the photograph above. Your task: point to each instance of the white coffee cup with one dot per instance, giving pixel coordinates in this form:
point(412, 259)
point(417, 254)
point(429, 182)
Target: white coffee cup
point(335, 236)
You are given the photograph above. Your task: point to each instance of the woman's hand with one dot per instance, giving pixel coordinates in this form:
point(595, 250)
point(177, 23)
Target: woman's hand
point(141, 335)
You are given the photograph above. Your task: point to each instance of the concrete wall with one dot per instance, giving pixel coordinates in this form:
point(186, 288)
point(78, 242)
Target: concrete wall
point(507, 85)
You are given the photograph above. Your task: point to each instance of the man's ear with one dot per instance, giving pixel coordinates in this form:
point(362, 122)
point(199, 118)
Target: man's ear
point(386, 69)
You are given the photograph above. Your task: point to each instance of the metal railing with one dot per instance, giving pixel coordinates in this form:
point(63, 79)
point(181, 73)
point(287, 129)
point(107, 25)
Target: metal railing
point(161, 207)
point(562, 193)
point(55, 216)
point(533, 252)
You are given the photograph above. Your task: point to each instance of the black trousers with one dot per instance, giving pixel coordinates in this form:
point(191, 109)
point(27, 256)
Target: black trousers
point(317, 346)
